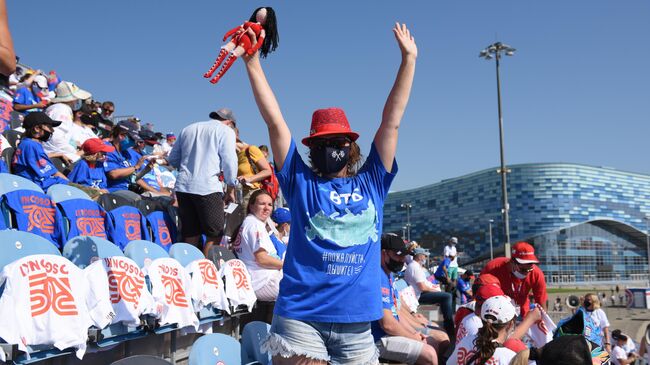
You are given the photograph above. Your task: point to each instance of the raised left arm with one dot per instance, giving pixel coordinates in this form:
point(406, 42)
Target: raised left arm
point(386, 137)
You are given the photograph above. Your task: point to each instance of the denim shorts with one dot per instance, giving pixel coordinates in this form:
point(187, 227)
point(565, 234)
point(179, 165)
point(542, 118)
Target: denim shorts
point(337, 343)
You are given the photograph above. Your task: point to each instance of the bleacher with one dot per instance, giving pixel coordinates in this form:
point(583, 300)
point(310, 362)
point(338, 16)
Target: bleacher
point(113, 278)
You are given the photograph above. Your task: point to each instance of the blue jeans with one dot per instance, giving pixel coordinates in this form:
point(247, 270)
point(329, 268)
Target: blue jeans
point(337, 343)
point(444, 300)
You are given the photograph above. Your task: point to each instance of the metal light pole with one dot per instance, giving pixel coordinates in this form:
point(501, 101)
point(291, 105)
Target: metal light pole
point(408, 207)
point(491, 250)
point(495, 51)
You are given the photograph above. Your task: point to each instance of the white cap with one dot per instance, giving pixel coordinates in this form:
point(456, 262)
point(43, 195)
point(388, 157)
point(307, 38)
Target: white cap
point(454, 240)
point(498, 309)
point(41, 81)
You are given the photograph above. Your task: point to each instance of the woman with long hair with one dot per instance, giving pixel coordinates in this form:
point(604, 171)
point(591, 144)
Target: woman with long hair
point(253, 246)
point(591, 305)
point(498, 316)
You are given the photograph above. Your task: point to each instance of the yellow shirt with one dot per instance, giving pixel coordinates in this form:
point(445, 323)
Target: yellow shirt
point(244, 167)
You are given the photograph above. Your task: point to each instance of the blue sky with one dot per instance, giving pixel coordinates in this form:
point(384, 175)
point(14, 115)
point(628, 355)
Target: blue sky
point(577, 90)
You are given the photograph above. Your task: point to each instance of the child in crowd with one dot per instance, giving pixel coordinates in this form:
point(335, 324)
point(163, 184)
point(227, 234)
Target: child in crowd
point(89, 171)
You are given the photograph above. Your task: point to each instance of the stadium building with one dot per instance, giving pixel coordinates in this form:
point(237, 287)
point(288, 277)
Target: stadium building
point(588, 224)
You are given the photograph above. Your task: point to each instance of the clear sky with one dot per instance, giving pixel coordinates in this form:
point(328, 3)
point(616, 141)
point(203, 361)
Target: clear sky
point(577, 90)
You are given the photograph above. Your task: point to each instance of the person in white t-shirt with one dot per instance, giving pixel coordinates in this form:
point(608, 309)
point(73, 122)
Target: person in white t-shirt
point(618, 355)
point(253, 246)
point(644, 348)
point(498, 317)
point(591, 303)
point(450, 251)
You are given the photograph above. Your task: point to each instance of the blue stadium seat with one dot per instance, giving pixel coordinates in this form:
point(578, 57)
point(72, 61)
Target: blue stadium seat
point(214, 348)
point(252, 336)
point(81, 250)
point(142, 360)
point(60, 192)
point(9, 182)
point(185, 253)
point(16, 244)
point(140, 250)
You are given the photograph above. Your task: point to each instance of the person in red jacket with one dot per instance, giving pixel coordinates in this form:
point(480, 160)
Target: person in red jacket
point(519, 276)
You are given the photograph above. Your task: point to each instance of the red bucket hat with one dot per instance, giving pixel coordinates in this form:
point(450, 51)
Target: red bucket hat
point(329, 121)
point(524, 253)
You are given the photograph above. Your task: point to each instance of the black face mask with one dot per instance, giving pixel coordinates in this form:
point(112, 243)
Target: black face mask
point(394, 266)
point(45, 136)
point(587, 304)
point(328, 159)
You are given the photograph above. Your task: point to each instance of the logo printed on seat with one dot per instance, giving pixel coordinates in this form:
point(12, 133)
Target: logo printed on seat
point(51, 293)
point(39, 217)
point(132, 229)
point(240, 278)
point(124, 287)
point(209, 273)
point(163, 232)
point(89, 226)
point(174, 293)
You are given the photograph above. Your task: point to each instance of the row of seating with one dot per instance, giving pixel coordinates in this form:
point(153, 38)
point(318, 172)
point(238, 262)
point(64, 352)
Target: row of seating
point(66, 212)
point(82, 251)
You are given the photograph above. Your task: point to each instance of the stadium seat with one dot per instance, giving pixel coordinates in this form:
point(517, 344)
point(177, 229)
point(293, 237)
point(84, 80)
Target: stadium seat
point(112, 201)
point(8, 155)
point(219, 254)
point(251, 339)
point(33, 211)
point(128, 195)
point(16, 244)
point(215, 348)
point(142, 360)
point(83, 217)
point(13, 137)
point(83, 250)
point(125, 224)
point(141, 251)
point(60, 192)
point(185, 253)
point(9, 183)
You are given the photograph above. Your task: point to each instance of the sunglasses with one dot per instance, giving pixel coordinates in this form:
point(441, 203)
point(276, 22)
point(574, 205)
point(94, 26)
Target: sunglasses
point(337, 142)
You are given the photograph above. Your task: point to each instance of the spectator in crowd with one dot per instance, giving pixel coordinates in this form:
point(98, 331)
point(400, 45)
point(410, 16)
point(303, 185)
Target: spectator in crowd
point(519, 275)
point(451, 252)
point(202, 151)
point(336, 211)
point(442, 272)
point(591, 305)
point(253, 246)
point(498, 317)
point(68, 98)
point(118, 168)
point(168, 144)
point(133, 154)
point(25, 100)
point(425, 292)
point(89, 171)
point(7, 69)
point(619, 355)
point(628, 346)
point(82, 128)
point(53, 80)
point(41, 91)
point(564, 350)
point(282, 219)
point(30, 160)
point(265, 151)
point(252, 168)
point(397, 340)
point(464, 286)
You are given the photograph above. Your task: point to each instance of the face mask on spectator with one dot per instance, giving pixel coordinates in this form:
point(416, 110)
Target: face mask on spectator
point(45, 136)
point(77, 104)
point(329, 159)
point(126, 144)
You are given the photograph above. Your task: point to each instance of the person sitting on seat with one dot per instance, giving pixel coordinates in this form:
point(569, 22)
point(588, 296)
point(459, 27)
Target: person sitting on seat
point(89, 171)
point(253, 246)
point(30, 160)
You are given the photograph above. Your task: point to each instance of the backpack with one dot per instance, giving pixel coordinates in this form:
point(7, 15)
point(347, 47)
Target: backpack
point(270, 184)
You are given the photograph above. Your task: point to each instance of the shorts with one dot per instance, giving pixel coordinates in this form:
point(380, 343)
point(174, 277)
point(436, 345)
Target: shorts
point(201, 214)
point(452, 272)
point(401, 349)
point(337, 343)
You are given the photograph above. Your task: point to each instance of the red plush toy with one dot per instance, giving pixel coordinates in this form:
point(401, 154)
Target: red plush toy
point(262, 25)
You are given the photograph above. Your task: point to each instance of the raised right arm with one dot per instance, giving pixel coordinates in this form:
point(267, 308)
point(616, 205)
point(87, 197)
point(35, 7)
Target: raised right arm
point(279, 133)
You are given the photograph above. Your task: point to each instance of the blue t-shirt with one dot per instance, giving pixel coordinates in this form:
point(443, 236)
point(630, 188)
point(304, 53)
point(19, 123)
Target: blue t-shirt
point(83, 174)
point(163, 229)
point(133, 156)
point(126, 224)
point(86, 217)
point(439, 272)
point(389, 301)
point(280, 247)
point(331, 268)
point(36, 213)
point(115, 160)
point(24, 96)
point(3, 167)
point(463, 288)
point(31, 162)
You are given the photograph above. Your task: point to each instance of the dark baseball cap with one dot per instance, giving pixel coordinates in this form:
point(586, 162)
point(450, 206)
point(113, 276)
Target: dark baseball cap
point(223, 114)
point(39, 118)
point(393, 242)
point(130, 128)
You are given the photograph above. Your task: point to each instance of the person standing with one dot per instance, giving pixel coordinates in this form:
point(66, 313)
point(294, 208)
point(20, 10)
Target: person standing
point(451, 253)
point(332, 274)
point(519, 276)
point(202, 151)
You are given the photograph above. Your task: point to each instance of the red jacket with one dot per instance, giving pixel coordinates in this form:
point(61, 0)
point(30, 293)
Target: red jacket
point(516, 288)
